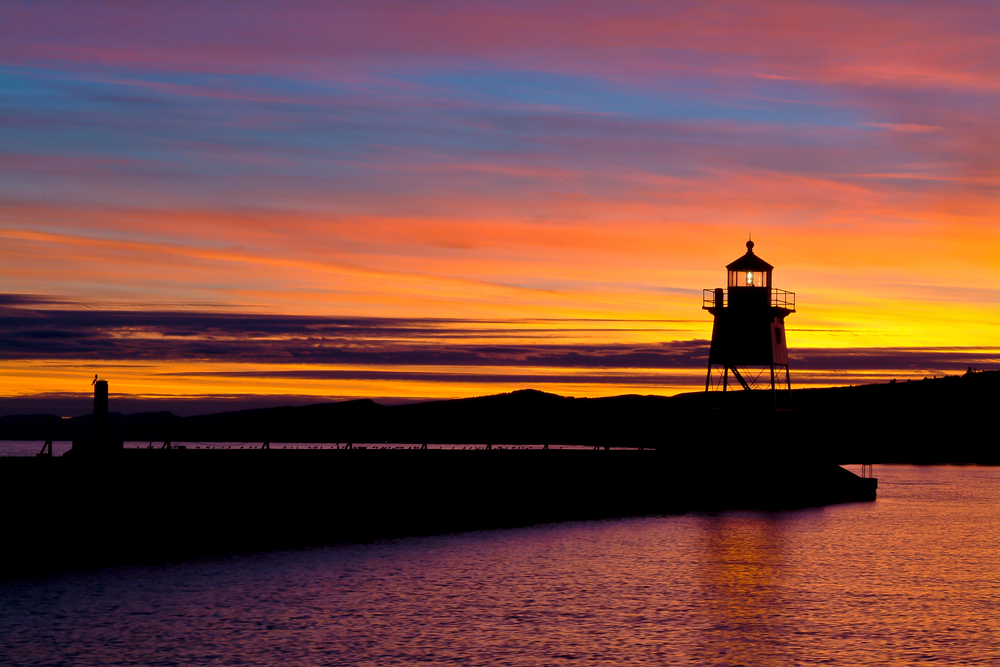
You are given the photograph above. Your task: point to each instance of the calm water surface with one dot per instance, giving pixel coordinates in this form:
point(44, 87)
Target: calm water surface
point(910, 579)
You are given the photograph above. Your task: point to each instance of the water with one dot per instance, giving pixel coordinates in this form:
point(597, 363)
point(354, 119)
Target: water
point(910, 579)
point(32, 447)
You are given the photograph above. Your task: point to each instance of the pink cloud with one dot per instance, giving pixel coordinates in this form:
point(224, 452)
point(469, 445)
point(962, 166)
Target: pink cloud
point(930, 44)
point(904, 127)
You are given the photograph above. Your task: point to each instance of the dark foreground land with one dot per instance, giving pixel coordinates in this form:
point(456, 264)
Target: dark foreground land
point(944, 420)
point(645, 455)
point(153, 505)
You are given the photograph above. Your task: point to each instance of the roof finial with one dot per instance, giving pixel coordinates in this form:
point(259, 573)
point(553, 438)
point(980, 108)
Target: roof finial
point(750, 243)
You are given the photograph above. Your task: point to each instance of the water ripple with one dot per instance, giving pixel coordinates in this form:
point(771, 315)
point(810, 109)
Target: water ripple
point(910, 579)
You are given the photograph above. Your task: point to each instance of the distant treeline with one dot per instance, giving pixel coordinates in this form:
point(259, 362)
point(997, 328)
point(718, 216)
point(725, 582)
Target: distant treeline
point(940, 420)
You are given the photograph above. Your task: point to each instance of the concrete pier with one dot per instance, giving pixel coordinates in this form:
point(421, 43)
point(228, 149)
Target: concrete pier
point(162, 504)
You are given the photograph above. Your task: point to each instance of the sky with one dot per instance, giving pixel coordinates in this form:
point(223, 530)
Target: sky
point(261, 202)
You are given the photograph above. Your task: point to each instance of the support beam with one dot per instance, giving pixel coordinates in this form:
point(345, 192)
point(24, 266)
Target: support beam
point(740, 378)
point(774, 388)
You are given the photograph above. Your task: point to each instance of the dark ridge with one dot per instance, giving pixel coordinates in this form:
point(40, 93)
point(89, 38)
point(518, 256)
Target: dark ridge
point(939, 420)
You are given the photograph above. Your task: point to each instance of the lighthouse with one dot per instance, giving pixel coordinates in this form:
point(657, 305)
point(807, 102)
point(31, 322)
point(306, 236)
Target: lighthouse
point(748, 337)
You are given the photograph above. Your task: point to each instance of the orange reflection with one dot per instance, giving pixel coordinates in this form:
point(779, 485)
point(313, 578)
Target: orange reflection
point(743, 569)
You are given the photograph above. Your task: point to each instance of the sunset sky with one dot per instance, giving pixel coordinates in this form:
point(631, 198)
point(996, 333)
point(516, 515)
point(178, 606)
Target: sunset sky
point(305, 201)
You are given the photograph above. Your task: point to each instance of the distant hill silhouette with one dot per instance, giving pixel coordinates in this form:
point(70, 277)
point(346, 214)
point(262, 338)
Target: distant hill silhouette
point(943, 420)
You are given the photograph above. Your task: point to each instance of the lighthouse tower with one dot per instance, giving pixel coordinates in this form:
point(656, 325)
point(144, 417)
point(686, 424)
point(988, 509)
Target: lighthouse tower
point(748, 337)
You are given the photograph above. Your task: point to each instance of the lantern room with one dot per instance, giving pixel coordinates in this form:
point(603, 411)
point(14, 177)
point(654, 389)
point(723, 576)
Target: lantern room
point(749, 270)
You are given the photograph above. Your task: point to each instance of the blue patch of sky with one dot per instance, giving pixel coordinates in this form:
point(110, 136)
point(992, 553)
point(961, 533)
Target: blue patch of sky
point(98, 114)
point(326, 131)
point(771, 101)
point(53, 114)
point(68, 114)
point(353, 134)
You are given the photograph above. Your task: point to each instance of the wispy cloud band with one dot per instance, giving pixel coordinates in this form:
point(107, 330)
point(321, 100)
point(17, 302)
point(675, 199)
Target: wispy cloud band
point(43, 328)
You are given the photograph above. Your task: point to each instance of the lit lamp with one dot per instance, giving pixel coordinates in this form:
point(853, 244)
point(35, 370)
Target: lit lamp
point(750, 278)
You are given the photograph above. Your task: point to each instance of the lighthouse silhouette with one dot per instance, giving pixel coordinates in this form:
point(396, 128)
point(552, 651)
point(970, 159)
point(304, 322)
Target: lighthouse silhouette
point(748, 336)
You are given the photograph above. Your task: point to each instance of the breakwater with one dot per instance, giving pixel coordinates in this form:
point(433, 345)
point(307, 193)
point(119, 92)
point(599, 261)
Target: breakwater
point(150, 505)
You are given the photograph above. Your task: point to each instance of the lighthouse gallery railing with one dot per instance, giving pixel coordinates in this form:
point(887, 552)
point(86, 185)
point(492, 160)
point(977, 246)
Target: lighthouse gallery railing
point(779, 298)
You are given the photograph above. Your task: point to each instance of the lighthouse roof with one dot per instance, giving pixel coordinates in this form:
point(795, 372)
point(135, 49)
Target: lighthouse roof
point(749, 262)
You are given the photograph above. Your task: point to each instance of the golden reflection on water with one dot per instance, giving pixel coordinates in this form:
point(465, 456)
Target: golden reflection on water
point(741, 573)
